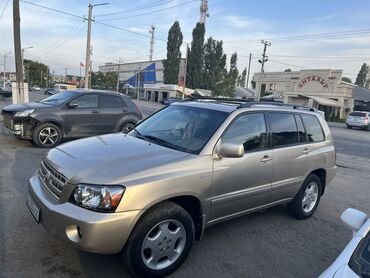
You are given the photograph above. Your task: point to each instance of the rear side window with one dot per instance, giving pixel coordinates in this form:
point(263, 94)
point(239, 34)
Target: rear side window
point(313, 128)
point(111, 101)
point(283, 128)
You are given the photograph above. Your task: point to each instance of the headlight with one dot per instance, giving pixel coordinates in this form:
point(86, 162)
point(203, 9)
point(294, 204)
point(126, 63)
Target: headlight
point(24, 113)
point(98, 197)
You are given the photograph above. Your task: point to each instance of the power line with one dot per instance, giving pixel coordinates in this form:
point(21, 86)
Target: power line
point(142, 7)
point(52, 9)
point(151, 12)
point(2, 13)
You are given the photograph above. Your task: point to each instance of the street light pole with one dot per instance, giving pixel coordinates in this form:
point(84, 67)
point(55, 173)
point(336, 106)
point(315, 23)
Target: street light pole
point(119, 65)
point(186, 69)
point(5, 67)
point(88, 44)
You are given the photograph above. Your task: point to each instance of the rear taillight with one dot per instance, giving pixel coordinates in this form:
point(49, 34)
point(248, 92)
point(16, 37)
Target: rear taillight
point(366, 119)
point(138, 110)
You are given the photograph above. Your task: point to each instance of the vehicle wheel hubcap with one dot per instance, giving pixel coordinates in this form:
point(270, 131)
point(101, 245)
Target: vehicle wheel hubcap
point(310, 197)
point(164, 244)
point(48, 136)
point(127, 128)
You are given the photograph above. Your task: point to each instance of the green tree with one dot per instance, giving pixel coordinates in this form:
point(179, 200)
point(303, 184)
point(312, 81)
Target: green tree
point(172, 64)
point(241, 78)
point(214, 67)
point(288, 70)
point(361, 76)
point(196, 58)
point(104, 81)
point(36, 73)
point(233, 71)
point(346, 79)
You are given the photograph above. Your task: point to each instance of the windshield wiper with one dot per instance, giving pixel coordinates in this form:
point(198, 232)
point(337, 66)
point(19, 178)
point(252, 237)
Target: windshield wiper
point(139, 135)
point(162, 142)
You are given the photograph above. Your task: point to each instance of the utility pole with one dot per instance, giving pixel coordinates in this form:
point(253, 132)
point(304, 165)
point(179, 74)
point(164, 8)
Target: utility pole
point(249, 69)
point(186, 70)
point(18, 51)
point(119, 65)
point(203, 11)
point(5, 67)
point(88, 44)
point(151, 31)
point(65, 74)
point(264, 59)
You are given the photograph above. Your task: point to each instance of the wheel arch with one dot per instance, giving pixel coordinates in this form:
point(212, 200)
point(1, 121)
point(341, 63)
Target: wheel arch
point(321, 174)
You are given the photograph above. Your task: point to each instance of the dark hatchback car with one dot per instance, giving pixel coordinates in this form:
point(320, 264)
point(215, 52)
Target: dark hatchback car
point(71, 114)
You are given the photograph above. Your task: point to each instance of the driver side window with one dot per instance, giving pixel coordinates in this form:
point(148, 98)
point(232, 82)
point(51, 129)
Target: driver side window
point(249, 130)
point(86, 101)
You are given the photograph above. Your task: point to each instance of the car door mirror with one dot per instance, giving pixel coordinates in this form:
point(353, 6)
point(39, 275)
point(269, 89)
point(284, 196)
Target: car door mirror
point(354, 219)
point(73, 105)
point(231, 150)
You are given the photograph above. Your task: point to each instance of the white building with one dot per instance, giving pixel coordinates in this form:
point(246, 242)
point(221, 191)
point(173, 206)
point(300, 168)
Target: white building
point(318, 88)
point(157, 92)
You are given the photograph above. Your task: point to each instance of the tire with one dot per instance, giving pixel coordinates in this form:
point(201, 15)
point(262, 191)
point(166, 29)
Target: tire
point(300, 207)
point(349, 127)
point(127, 127)
point(138, 251)
point(366, 128)
point(47, 135)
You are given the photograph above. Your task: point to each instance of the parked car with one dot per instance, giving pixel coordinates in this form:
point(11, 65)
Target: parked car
point(7, 92)
point(151, 192)
point(170, 101)
point(36, 88)
point(71, 114)
point(50, 91)
point(358, 119)
point(354, 261)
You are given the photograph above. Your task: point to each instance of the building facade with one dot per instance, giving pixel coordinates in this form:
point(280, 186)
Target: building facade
point(139, 73)
point(318, 88)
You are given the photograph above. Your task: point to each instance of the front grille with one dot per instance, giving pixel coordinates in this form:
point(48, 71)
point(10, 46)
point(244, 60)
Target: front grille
point(8, 122)
point(52, 179)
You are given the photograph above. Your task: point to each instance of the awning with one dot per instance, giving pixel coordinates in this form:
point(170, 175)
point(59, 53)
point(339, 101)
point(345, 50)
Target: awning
point(326, 101)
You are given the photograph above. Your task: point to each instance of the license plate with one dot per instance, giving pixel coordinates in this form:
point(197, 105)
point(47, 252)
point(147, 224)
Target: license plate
point(34, 209)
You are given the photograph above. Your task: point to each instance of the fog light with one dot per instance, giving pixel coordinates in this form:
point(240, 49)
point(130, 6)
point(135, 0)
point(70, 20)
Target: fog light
point(74, 233)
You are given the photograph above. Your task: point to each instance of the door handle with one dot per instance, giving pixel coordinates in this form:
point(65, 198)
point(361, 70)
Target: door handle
point(266, 158)
point(95, 111)
point(306, 151)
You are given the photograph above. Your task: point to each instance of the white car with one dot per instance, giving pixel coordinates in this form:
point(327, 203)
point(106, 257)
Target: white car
point(36, 88)
point(354, 261)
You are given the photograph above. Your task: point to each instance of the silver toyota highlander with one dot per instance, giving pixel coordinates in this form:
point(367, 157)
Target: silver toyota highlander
point(150, 193)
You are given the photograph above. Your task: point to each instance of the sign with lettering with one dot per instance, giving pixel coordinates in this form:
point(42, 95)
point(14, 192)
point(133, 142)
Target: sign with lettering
point(313, 78)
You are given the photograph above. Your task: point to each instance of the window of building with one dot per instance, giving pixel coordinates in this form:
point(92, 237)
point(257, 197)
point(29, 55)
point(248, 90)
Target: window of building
point(313, 128)
point(249, 130)
point(283, 128)
point(111, 101)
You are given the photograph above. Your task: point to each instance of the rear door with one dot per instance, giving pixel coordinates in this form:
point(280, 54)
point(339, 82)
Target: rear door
point(83, 118)
point(112, 109)
point(291, 153)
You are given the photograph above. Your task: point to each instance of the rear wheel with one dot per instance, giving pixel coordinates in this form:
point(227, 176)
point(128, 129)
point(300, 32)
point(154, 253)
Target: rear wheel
point(366, 127)
point(349, 127)
point(127, 127)
point(160, 242)
point(306, 201)
point(47, 135)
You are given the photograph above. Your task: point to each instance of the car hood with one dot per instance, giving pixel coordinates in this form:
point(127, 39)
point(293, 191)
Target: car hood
point(108, 159)
point(25, 106)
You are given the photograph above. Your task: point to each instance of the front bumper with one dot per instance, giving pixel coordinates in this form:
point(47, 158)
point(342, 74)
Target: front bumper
point(104, 233)
point(20, 127)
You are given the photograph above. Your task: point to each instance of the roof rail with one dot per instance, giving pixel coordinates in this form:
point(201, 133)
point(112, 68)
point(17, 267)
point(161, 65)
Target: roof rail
point(223, 99)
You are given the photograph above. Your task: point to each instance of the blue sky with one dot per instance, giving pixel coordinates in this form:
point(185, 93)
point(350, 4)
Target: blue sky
point(240, 24)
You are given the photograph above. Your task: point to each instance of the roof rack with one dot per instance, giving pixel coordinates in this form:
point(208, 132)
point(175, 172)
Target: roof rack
point(247, 103)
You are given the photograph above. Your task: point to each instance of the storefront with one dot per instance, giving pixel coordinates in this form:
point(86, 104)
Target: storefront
point(321, 89)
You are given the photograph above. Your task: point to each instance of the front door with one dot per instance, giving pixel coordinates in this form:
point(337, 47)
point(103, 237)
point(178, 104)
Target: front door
point(82, 116)
point(241, 184)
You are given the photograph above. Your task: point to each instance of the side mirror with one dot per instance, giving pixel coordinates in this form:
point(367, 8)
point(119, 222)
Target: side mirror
point(231, 150)
point(72, 105)
point(354, 219)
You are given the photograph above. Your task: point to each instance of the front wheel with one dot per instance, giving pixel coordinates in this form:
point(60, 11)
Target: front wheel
point(127, 127)
point(47, 135)
point(160, 242)
point(349, 127)
point(306, 201)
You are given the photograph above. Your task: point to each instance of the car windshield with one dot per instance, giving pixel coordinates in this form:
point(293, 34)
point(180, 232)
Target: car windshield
point(182, 128)
point(58, 98)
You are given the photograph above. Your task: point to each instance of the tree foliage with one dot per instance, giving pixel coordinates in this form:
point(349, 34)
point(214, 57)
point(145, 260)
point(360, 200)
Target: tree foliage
point(242, 79)
point(361, 76)
point(172, 64)
point(104, 81)
point(36, 73)
point(346, 79)
point(196, 58)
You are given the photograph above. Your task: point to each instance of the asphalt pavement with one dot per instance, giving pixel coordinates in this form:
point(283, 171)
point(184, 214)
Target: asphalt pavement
point(264, 244)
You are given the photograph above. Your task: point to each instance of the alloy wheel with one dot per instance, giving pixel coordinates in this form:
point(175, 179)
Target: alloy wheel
point(310, 197)
point(48, 136)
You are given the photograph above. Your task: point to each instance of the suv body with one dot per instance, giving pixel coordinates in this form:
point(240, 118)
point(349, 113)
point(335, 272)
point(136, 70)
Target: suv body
point(358, 119)
point(225, 159)
point(71, 114)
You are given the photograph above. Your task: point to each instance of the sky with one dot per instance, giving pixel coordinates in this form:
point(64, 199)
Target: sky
point(292, 26)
